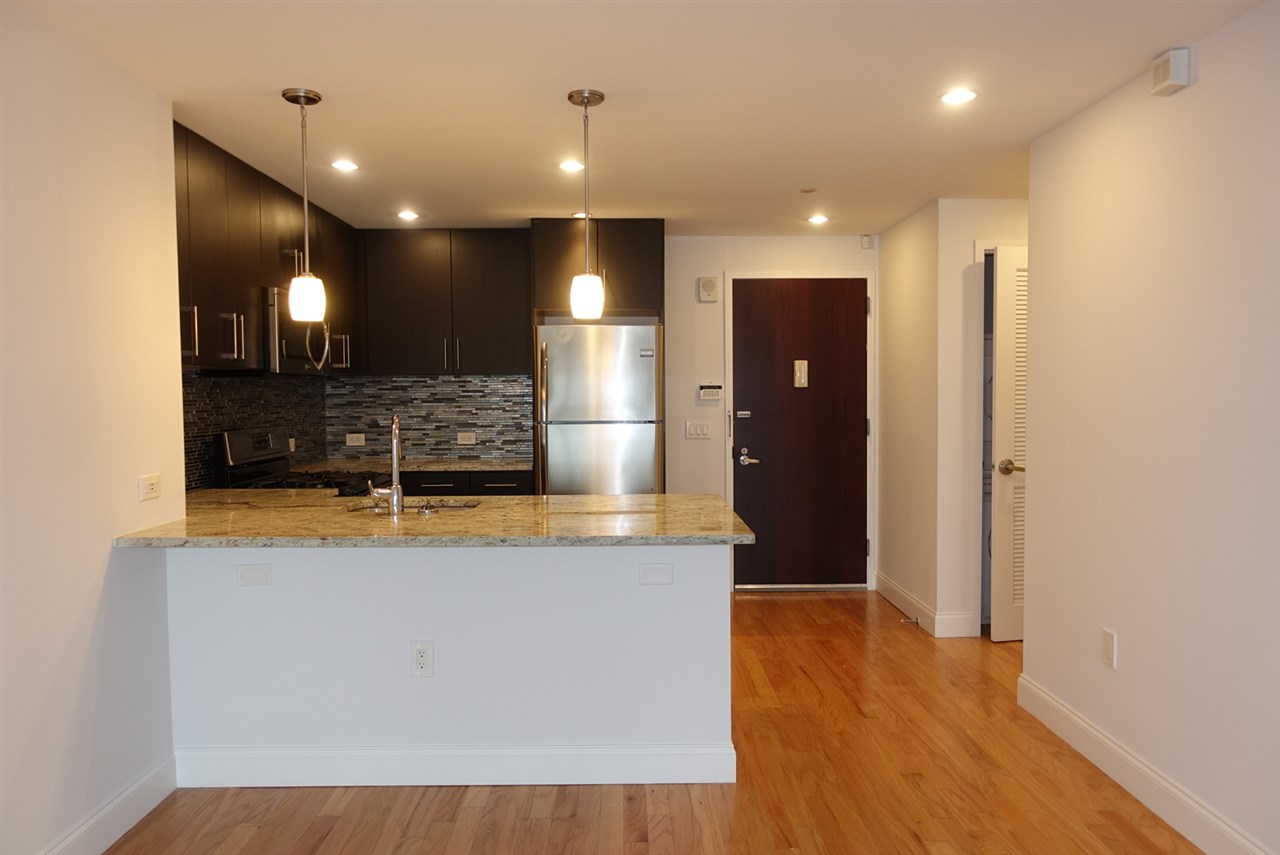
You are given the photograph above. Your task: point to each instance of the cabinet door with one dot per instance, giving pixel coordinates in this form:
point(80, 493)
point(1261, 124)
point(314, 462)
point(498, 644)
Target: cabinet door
point(435, 483)
point(281, 233)
point(186, 310)
point(492, 318)
point(218, 325)
point(408, 302)
point(243, 263)
point(558, 256)
point(502, 483)
point(632, 264)
point(334, 259)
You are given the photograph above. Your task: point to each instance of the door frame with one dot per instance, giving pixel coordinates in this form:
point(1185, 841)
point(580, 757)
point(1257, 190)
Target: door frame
point(973, 335)
point(872, 397)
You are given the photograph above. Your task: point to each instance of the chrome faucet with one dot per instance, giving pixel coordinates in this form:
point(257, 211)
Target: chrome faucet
point(395, 493)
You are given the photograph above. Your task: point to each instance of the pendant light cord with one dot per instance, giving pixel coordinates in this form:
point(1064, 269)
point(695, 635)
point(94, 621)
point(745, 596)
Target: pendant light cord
point(306, 213)
point(586, 188)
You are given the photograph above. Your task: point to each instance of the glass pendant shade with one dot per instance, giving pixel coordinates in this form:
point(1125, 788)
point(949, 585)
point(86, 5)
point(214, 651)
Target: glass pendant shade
point(586, 296)
point(306, 298)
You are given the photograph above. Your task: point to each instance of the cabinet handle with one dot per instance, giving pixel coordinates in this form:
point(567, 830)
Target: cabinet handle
point(486, 484)
point(195, 330)
point(446, 354)
point(457, 354)
point(244, 349)
point(344, 342)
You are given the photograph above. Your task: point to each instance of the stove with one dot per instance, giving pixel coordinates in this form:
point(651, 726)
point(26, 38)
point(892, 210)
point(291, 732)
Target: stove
point(260, 458)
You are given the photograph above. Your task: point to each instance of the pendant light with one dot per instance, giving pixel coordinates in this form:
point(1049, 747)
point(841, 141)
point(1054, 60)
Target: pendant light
point(586, 294)
point(306, 291)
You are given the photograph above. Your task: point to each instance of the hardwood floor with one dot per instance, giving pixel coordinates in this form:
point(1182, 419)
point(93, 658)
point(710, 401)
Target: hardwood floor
point(855, 734)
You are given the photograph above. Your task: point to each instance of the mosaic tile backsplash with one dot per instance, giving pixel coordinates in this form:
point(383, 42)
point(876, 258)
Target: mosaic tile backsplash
point(211, 405)
point(432, 411)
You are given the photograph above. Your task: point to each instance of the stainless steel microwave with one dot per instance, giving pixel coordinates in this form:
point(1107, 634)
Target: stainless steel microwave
point(288, 340)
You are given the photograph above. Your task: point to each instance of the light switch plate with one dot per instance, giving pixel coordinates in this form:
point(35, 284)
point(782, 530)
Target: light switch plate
point(697, 430)
point(355, 439)
point(466, 437)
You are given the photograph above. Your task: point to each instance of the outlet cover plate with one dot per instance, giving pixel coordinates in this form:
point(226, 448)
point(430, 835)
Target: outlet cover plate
point(422, 658)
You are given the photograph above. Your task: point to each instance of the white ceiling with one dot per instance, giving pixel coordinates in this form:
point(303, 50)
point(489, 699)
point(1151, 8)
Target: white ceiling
point(717, 112)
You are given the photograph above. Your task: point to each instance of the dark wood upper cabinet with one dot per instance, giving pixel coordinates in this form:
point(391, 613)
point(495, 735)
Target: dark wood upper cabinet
point(408, 302)
point(281, 213)
point(186, 303)
point(558, 256)
point(447, 302)
point(632, 263)
point(335, 258)
point(243, 262)
point(215, 304)
point(492, 316)
point(627, 254)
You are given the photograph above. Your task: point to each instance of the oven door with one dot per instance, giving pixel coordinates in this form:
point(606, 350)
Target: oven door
point(287, 339)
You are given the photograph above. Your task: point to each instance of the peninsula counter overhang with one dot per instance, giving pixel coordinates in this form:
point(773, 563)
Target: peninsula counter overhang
point(317, 518)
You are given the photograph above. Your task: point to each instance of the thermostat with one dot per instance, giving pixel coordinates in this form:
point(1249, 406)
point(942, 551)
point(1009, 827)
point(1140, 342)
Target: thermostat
point(710, 393)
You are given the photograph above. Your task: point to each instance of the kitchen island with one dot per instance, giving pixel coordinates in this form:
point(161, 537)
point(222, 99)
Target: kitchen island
point(570, 639)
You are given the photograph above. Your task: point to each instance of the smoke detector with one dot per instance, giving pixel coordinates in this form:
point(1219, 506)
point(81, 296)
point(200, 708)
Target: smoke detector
point(1171, 71)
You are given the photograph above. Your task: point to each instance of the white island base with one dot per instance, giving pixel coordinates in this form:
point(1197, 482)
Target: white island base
point(552, 665)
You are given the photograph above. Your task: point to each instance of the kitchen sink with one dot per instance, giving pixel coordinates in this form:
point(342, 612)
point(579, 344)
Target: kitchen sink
point(416, 505)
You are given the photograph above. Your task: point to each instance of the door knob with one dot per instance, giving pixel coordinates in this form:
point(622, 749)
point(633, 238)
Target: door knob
point(745, 460)
point(1008, 467)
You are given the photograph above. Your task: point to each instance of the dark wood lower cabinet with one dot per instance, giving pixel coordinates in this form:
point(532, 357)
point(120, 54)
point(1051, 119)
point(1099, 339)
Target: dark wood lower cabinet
point(494, 483)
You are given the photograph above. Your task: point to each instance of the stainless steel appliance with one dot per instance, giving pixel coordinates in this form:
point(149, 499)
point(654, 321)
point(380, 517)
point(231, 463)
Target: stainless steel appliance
point(262, 458)
point(598, 409)
point(287, 342)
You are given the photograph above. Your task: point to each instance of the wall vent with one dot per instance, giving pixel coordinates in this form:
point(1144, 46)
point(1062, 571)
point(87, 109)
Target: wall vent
point(1171, 71)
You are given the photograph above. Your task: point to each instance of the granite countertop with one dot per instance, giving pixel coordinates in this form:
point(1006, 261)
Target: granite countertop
point(416, 464)
point(311, 518)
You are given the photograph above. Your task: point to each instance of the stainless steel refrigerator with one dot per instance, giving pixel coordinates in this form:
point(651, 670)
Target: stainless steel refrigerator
point(598, 409)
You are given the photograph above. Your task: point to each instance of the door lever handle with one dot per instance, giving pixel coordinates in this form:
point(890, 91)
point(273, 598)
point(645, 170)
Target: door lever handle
point(745, 460)
point(1008, 467)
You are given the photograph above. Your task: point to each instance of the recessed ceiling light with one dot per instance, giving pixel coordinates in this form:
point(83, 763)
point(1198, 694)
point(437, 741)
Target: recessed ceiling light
point(571, 166)
point(808, 189)
point(817, 219)
point(344, 166)
point(959, 96)
point(407, 215)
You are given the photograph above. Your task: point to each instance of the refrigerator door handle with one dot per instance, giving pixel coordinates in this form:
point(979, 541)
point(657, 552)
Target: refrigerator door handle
point(542, 418)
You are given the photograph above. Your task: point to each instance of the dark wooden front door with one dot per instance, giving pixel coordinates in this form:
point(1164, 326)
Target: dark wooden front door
point(806, 498)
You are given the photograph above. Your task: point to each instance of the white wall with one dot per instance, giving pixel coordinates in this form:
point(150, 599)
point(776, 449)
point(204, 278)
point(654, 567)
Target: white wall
point(1153, 505)
point(91, 400)
point(695, 333)
point(931, 408)
point(908, 385)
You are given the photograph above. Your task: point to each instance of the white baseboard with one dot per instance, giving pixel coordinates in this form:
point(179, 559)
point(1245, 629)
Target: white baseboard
point(1193, 818)
point(104, 826)
point(467, 765)
point(937, 624)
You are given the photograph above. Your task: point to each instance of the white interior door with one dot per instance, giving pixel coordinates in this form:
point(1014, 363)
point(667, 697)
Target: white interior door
point(1009, 444)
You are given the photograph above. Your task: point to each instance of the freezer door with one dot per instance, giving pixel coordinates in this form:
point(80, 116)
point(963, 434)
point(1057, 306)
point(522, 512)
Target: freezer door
point(599, 373)
point(600, 459)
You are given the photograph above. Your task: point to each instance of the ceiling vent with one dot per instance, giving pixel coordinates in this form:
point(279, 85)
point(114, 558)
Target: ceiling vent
point(1171, 71)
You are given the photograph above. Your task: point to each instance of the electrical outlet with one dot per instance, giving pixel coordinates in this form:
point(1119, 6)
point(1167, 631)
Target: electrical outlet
point(355, 439)
point(422, 658)
point(466, 437)
point(148, 487)
point(1108, 648)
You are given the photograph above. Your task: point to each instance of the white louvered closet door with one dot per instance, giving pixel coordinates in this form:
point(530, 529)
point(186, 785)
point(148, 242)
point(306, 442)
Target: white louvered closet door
point(1009, 444)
